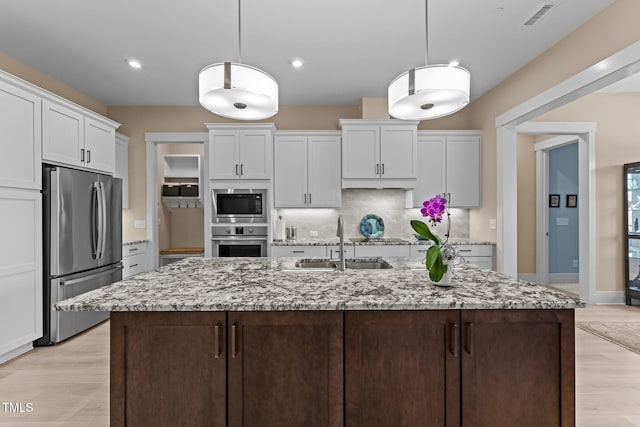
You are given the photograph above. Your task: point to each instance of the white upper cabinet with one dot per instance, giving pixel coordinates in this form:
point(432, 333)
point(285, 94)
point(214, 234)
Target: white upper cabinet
point(379, 154)
point(74, 138)
point(20, 135)
point(122, 166)
point(307, 170)
point(240, 151)
point(449, 163)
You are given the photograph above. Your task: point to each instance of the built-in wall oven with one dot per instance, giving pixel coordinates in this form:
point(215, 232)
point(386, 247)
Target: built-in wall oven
point(239, 206)
point(239, 241)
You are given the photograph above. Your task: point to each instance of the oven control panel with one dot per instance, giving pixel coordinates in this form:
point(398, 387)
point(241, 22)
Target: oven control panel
point(244, 230)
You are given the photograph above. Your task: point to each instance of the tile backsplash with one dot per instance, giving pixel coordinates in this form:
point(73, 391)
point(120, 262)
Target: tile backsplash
point(387, 204)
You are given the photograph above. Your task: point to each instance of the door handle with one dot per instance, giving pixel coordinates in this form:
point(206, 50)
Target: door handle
point(241, 169)
point(455, 339)
point(377, 168)
point(305, 198)
point(82, 154)
point(470, 338)
point(234, 331)
point(94, 221)
point(216, 341)
point(105, 224)
point(309, 198)
point(88, 156)
point(382, 169)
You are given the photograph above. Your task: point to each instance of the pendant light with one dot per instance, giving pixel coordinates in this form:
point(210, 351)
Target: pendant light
point(431, 91)
point(236, 90)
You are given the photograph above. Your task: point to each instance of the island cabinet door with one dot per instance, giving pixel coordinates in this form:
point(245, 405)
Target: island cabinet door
point(402, 368)
point(518, 368)
point(168, 369)
point(285, 369)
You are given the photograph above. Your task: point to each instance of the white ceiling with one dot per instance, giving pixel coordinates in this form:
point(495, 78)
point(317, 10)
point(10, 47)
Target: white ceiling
point(351, 48)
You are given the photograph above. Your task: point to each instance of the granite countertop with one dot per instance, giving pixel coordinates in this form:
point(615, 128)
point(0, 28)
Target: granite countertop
point(275, 284)
point(359, 241)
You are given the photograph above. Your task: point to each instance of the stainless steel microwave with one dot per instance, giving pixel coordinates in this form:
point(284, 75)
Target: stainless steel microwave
point(238, 205)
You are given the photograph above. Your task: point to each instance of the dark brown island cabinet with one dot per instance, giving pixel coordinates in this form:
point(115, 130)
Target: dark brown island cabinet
point(351, 368)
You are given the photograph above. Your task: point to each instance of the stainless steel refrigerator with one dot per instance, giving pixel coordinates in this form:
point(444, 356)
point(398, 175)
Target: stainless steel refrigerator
point(82, 241)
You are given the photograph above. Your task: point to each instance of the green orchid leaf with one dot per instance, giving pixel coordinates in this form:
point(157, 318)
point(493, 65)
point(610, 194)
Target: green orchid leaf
point(438, 269)
point(432, 255)
point(423, 230)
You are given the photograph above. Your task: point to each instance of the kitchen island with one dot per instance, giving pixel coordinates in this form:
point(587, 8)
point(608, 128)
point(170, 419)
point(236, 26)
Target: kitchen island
point(250, 341)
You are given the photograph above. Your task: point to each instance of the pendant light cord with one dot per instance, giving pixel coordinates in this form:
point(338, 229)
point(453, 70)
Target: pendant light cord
point(426, 32)
point(239, 32)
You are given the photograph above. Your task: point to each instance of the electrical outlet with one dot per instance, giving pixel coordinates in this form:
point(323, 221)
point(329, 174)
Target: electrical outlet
point(139, 223)
point(492, 224)
point(575, 263)
point(313, 233)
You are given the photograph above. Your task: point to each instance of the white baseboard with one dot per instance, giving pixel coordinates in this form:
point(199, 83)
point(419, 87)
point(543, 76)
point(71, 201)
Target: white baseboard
point(5, 357)
point(609, 297)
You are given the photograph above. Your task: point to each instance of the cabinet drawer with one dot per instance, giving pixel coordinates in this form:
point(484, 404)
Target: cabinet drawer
point(135, 249)
point(475, 250)
point(480, 261)
point(133, 265)
point(299, 251)
point(383, 250)
point(334, 251)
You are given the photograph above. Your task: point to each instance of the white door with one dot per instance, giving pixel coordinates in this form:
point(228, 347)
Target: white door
point(62, 134)
point(20, 135)
point(290, 171)
point(463, 171)
point(255, 154)
point(324, 181)
point(431, 168)
point(223, 155)
point(361, 152)
point(100, 146)
point(398, 151)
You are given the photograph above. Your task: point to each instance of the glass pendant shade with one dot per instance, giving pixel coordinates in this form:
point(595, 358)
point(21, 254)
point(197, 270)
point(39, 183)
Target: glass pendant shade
point(238, 91)
point(429, 92)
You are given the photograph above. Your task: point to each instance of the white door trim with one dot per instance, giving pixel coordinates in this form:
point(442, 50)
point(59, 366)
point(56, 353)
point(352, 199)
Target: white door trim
point(542, 195)
point(152, 140)
point(623, 63)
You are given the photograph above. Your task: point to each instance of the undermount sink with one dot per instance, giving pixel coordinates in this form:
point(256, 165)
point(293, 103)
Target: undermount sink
point(355, 263)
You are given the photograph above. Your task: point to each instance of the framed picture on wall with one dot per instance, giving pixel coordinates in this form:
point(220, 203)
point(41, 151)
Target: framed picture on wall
point(572, 200)
point(554, 200)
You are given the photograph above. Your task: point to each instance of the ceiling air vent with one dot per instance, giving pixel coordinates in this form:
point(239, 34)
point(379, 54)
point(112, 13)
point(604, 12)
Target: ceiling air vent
point(545, 9)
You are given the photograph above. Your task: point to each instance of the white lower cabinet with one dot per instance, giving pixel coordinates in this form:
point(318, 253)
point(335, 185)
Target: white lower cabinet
point(302, 251)
point(480, 255)
point(20, 270)
point(383, 250)
point(134, 259)
point(333, 251)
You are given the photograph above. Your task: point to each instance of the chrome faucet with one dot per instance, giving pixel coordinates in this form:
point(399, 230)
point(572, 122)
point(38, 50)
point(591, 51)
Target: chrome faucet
point(340, 234)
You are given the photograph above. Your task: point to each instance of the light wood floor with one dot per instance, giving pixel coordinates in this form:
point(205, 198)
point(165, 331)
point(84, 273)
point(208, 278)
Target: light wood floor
point(68, 384)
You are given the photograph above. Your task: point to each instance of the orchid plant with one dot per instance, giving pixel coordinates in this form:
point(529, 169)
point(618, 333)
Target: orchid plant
point(440, 254)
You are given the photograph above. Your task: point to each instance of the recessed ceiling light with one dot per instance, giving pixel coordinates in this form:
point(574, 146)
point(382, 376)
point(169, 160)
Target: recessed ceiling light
point(134, 63)
point(297, 62)
point(454, 63)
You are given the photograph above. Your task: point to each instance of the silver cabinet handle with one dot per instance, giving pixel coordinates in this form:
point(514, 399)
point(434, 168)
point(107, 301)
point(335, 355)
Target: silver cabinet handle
point(464, 250)
point(241, 169)
point(455, 339)
point(309, 198)
point(133, 265)
point(236, 169)
point(421, 250)
point(216, 341)
point(382, 169)
point(234, 331)
point(305, 198)
point(377, 168)
point(82, 154)
point(134, 249)
point(297, 252)
point(470, 338)
point(88, 156)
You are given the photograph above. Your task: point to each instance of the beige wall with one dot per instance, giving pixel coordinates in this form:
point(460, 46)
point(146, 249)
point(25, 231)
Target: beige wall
point(526, 204)
point(33, 76)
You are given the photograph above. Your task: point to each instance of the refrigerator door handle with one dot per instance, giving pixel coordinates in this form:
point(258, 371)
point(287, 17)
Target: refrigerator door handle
point(104, 220)
point(100, 221)
point(91, 277)
point(95, 231)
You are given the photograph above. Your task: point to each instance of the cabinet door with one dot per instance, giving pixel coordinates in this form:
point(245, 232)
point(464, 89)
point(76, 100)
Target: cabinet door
point(62, 134)
point(382, 250)
point(518, 368)
point(431, 168)
point(255, 154)
point(324, 180)
point(99, 146)
point(20, 268)
point(20, 135)
point(168, 369)
point(398, 151)
point(122, 169)
point(290, 171)
point(463, 171)
point(402, 368)
point(223, 155)
point(361, 152)
point(285, 369)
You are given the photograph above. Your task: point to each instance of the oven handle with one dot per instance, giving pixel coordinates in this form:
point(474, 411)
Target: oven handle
point(240, 239)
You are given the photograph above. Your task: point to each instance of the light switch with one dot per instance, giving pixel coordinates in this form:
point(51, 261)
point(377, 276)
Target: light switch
point(139, 223)
point(492, 224)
